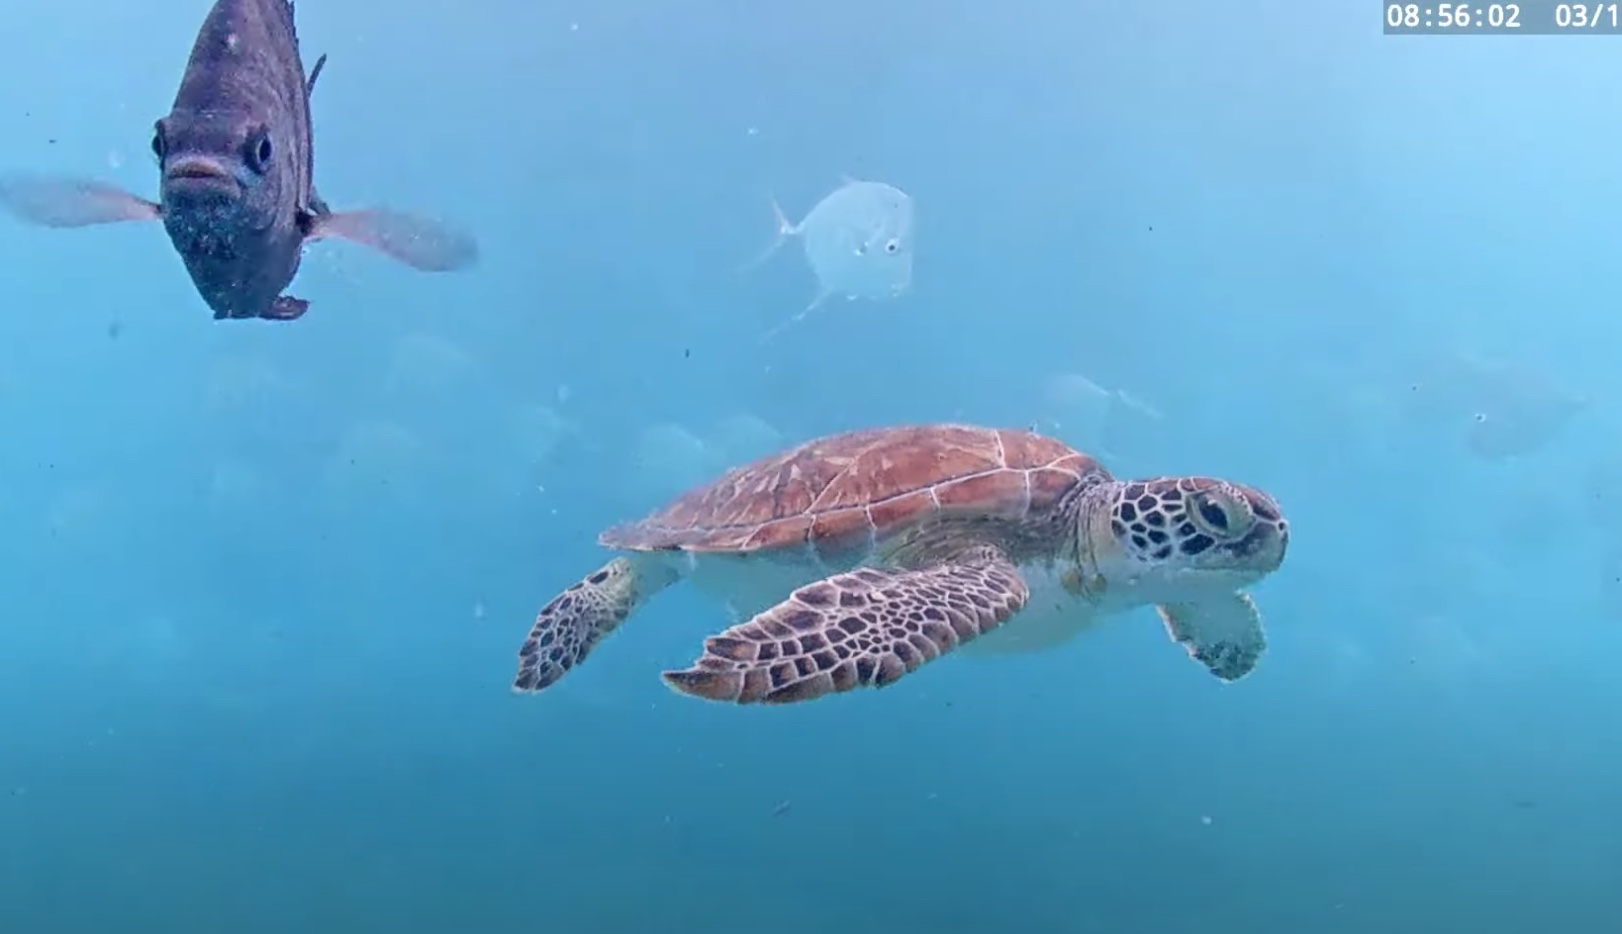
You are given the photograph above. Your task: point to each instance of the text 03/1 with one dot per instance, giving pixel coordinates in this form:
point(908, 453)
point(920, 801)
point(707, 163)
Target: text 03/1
point(1586, 16)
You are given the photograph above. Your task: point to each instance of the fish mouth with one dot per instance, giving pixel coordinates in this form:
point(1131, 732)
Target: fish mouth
point(200, 176)
point(203, 169)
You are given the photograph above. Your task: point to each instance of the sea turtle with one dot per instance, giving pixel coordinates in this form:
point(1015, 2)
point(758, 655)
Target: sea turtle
point(896, 545)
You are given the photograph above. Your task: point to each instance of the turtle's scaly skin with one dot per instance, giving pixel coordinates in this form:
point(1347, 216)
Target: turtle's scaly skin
point(930, 532)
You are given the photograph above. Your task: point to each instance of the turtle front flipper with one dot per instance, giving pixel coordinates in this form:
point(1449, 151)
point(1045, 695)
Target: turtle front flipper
point(869, 626)
point(568, 628)
point(1224, 633)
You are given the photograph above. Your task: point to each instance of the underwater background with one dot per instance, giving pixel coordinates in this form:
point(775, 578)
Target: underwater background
point(264, 582)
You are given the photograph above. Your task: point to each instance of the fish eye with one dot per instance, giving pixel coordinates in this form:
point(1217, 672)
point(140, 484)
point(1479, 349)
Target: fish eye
point(158, 147)
point(260, 151)
point(892, 246)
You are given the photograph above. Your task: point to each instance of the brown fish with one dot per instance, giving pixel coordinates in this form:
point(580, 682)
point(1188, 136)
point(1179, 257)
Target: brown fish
point(236, 193)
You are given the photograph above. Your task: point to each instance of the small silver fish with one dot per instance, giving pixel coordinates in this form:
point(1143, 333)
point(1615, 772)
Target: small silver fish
point(236, 194)
point(1502, 408)
point(858, 240)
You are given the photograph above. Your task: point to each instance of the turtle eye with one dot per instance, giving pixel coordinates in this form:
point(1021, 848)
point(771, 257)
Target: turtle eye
point(1221, 514)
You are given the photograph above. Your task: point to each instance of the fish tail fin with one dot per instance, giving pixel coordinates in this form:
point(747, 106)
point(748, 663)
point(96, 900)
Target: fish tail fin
point(785, 229)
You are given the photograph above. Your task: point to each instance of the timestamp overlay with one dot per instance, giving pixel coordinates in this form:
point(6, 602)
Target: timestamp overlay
point(1524, 18)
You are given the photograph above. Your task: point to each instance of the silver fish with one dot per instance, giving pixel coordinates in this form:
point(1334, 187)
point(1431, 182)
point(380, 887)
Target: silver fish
point(236, 194)
point(1498, 408)
point(858, 241)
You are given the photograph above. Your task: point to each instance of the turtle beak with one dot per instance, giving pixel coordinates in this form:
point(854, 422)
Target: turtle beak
point(1269, 538)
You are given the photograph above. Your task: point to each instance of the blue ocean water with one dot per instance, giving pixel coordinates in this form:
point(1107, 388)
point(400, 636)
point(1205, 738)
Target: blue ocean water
point(265, 581)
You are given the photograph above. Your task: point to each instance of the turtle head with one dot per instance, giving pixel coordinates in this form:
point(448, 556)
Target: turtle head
point(1176, 539)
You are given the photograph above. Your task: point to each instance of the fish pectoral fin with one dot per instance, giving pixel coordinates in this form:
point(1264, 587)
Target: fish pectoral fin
point(57, 201)
point(416, 241)
point(285, 308)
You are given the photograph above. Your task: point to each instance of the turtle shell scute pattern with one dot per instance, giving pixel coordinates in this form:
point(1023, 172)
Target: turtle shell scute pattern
point(845, 492)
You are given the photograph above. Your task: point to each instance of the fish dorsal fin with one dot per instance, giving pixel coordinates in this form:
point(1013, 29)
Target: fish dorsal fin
point(309, 85)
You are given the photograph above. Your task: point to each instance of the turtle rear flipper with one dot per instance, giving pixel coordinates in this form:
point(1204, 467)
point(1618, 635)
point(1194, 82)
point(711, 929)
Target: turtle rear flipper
point(1224, 633)
point(568, 628)
point(866, 627)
